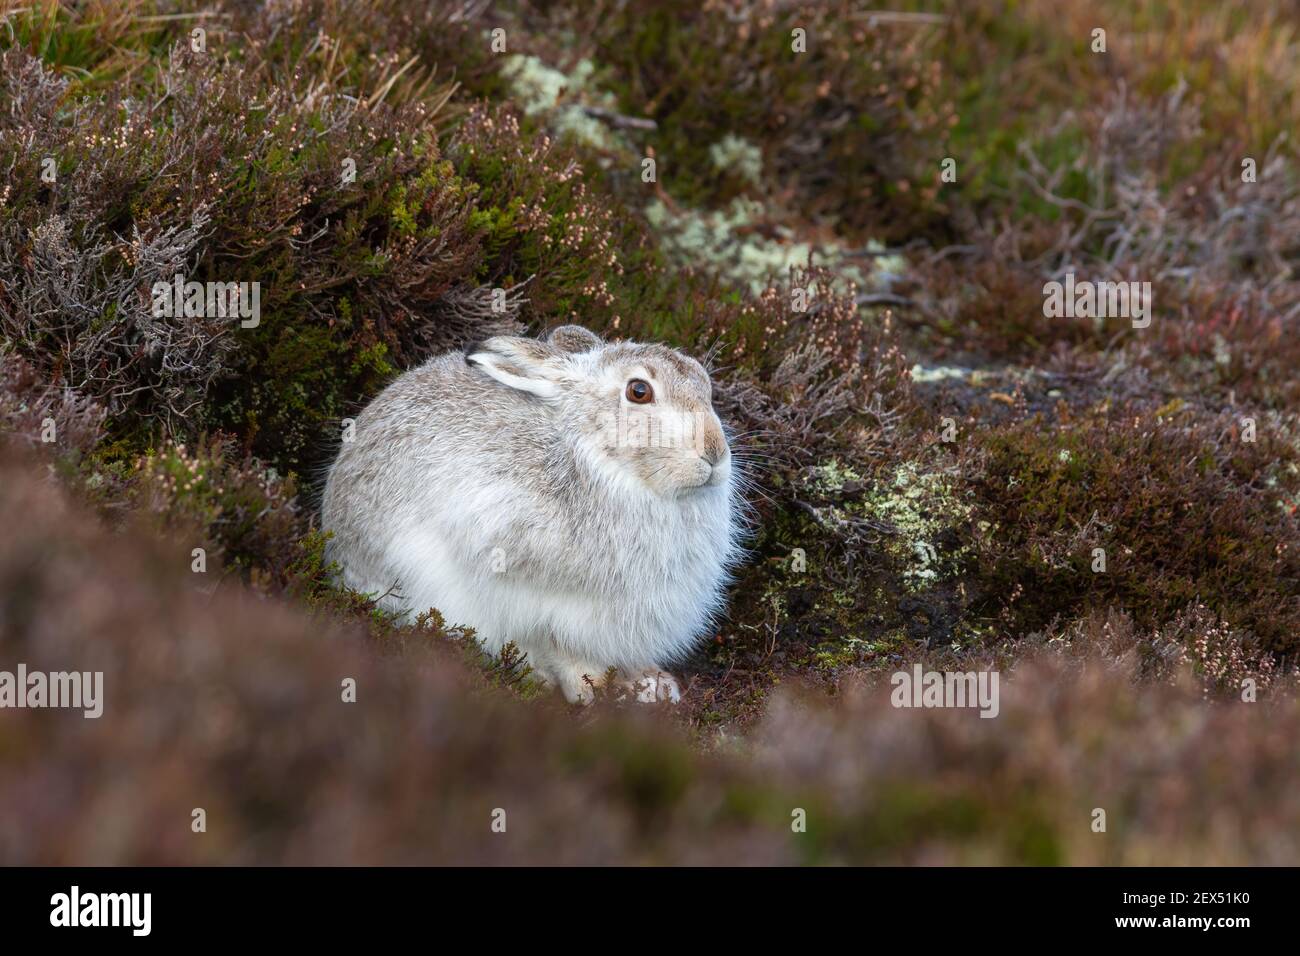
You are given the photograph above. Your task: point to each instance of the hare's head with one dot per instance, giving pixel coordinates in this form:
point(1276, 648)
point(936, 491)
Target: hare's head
point(639, 414)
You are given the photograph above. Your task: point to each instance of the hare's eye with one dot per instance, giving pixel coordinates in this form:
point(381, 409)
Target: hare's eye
point(639, 391)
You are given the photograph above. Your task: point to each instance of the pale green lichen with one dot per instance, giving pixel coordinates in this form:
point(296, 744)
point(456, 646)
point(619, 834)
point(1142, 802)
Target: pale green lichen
point(559, 98)
point(833, 476)
point(720, 239)
point(738, 156)
point(938, 373)
point(535, 86)
point(920, 506)
point(885, 269)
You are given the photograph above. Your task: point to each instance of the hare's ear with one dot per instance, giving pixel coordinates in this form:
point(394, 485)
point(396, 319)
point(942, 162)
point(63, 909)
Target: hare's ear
point(572, 338)
point(523, 364)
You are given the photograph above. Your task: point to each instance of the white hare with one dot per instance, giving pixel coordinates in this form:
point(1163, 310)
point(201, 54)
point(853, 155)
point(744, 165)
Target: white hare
point(573, 496)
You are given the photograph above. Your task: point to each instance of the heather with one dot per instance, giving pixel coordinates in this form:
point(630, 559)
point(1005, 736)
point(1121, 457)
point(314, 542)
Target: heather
point(855, 233)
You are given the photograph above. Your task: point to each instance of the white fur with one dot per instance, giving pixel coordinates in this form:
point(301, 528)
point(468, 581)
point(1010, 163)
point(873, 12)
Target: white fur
point(492, 500)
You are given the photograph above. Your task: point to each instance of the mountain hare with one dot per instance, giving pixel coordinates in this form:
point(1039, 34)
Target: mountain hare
point(573, 496)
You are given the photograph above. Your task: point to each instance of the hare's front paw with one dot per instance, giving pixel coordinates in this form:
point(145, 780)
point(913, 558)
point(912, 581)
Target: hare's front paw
point(578, 681)
point(651, 686)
